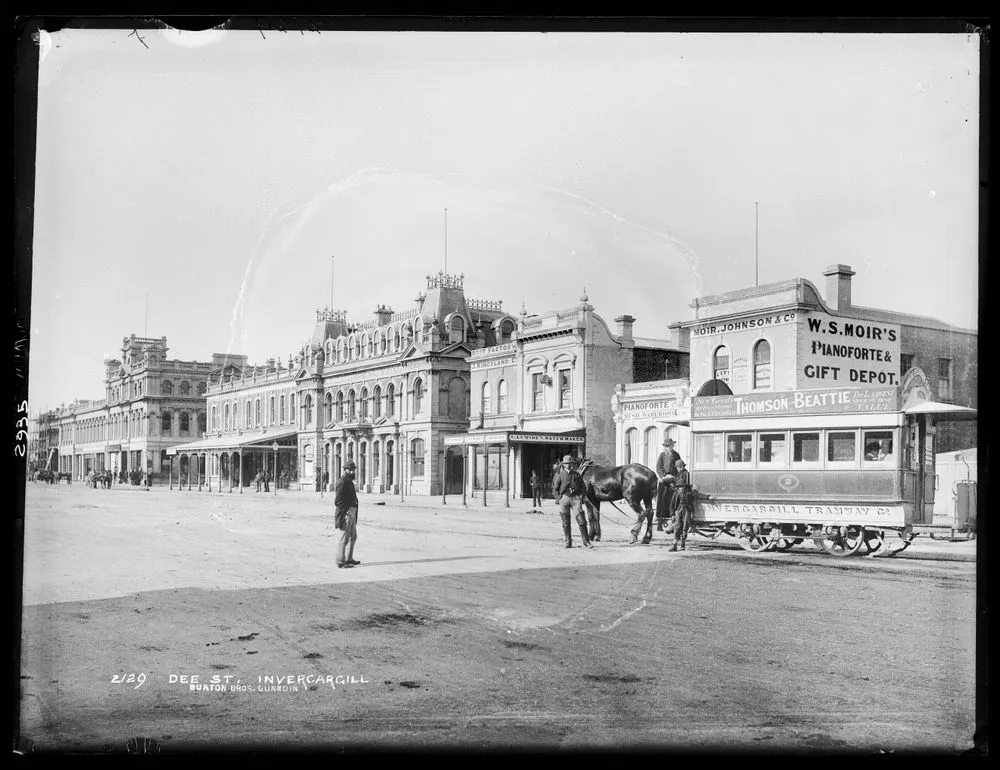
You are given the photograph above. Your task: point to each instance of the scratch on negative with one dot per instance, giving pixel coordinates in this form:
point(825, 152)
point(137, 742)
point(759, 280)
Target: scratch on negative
point(624, 617)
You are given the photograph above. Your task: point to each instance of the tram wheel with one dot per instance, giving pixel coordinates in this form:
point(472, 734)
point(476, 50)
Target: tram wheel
point(787, 543)
point(874, 541)
point(844, 544)
point(755, 543)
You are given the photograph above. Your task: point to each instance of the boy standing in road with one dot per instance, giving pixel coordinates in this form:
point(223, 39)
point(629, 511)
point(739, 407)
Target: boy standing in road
point(345, 506)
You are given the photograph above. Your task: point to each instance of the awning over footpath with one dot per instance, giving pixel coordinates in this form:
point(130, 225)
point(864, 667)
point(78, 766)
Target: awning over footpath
point(942, 410)
point(247, 439)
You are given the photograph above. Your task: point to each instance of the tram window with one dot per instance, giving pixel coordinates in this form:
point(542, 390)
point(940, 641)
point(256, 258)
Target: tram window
point(739, 448)
point(708, 450)
point(772, 449)
point(840, 446)
point(878, 445)
point(805, 447)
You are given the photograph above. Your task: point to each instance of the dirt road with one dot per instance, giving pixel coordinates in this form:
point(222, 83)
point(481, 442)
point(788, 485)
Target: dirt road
point(471, 628)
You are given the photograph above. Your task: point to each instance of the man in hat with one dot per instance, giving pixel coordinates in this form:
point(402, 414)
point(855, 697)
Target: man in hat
point(568, 490)
point(345, 507)
point(681, 505)
point(666, 471)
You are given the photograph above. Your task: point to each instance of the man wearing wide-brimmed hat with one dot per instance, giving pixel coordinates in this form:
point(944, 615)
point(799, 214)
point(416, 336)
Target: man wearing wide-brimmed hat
point(666, 471)
point(345, 508)
point(568, 489)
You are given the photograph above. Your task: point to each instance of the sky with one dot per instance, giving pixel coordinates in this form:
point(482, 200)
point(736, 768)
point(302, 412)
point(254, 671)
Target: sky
point(217, 187)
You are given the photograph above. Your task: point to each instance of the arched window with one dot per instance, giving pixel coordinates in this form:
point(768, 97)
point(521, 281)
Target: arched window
point(340, 406)
point(185, 423)
point(502, 397)
point(720, 364)
point(226, 418)
point(651, 447)
point(202, 387)
point(418, 396)
point(352, 407)
point(369, 348)
point(395, 339)
point(201, 422)
point(382, 343)
point(407, 334)
point(377, 398)
point(281, 407)
point(417, 458)
point(458, 401)
point(341, 350)
point(418, 330)
point(390, 400)
point(631, 445)
point(270, 419)
point(486, 402)
point(307, 406)
point(356, 348)
point(292, 416)
point(328, 416)
point(364, 404)
point(167, 388)
point(166, 423)
point(256, 412)
point(185, 388)
point(457, 331)
point(215, 419)
point(506, 329)
point(247, 415)
point(762, 364)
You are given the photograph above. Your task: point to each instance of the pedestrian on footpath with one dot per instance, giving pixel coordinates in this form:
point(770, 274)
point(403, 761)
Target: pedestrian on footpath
point(568, 489)
point(536, 490)
point(259, 479)
point(345, 507)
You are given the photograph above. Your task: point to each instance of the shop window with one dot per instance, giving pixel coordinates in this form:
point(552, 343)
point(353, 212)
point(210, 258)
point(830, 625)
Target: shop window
point(502, 397)
point(417, 458)
point(708, 450)
point(565, 380)
point(841, 446)
point(487, 399)
point(739, 448)
point(805, 447)
point(537, 393)
point(762, 364)
point(878, 446)
point(720, 364)
point(772, 449)
point(944, 379)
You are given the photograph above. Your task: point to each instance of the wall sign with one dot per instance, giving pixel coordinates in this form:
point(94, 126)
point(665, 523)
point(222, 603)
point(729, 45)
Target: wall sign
point(848, 352)
point(757, 322)
point(838, 401)
point(546, 438)
point(891, 515)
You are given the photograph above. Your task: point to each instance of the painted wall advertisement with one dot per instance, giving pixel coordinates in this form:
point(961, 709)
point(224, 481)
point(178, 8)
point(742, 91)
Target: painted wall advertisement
point(848, 352)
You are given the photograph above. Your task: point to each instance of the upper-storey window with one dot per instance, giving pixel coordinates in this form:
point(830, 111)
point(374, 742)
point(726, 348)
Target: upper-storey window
point(720, 364)
point(944, 379)
point(502, 397)
point(486, 402)
point(167, 388)
point(457, 331)
point(762, 364)
point(185, 388)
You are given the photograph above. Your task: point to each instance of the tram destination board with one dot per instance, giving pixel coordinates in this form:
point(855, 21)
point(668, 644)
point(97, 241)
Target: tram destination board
point(833, 401)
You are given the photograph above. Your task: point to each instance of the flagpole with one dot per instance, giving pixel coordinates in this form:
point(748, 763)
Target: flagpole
point(331, 281)
point(756, 264)
point(446, 241)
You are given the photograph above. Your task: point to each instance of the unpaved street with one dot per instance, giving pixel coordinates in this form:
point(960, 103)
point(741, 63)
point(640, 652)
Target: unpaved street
point(471, 628)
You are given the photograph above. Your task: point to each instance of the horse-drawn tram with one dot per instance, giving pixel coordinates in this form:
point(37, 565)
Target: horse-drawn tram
point(851, 469)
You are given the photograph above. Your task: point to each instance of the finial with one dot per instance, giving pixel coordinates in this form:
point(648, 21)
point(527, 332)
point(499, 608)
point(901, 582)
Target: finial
point(584, 298)
point(524, 310)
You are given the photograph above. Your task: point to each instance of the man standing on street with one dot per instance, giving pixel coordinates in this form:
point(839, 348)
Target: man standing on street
point(536, 490)
point(568, 489)
point(345, 507)
point(665, 471)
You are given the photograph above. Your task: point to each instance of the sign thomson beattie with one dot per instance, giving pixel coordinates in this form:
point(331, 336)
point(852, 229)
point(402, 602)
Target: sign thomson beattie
point(844, 400)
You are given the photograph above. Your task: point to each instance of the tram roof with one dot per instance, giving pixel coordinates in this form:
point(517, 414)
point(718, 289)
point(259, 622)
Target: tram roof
point(230, 441)
point(942, 410)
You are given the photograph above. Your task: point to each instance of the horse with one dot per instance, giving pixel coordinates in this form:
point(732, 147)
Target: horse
point(633, 483)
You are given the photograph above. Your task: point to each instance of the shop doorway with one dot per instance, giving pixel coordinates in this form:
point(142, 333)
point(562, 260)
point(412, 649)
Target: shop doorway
point(454, 466)
point(544, 460)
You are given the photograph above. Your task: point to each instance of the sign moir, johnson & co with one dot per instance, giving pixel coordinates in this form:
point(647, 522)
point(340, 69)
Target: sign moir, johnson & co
point(839, 401)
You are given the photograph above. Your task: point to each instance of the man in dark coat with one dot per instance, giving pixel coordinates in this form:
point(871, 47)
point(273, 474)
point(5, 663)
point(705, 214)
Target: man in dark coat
point(665, 471)
point(345, 507)
point(568, 489)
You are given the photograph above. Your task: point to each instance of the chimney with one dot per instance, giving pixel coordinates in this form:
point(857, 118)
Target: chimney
point(838, 286)
point(625, 327)
point(383, 315)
